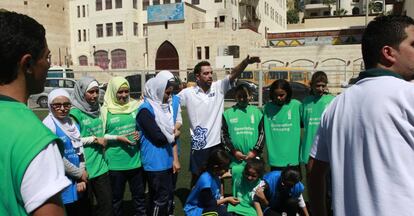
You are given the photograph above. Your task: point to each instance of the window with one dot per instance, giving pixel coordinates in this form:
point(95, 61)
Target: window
point(83, 11)
point(222, 18)
point(135, 29)
point(119, 29)
point(78, 11)
point(98, 5)
point(134, 4)
point(145, 4)
point(99, 30)
point(83, 60)
point(79, 35)
point(109, 30)
point(177, 1)
point(118, 58)
point(167, 1)
point(118, 3)
point(69, 84)
point(101, 59)
point(84, 35)
point(108, 4)
point(155, 2)
point(219, 1)
point(234, 51)
point(207, 52)
point(195, 2)
point(165, 25)
point(198, 52)
point(145, 30)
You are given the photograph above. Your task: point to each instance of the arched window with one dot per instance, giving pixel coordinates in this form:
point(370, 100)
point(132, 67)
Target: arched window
point(355, 11)
point(83, 60)
point(101, 59)
point(118, 57)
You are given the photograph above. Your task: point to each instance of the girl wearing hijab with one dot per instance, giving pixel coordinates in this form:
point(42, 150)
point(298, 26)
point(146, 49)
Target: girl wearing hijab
point(58, 122)
point(155, 121)
point(86, 112)
point(124, 162)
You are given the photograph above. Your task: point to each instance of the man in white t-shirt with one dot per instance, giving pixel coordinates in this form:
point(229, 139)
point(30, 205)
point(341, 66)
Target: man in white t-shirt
point(366, 135)
point(31, 166)
point(205, 106)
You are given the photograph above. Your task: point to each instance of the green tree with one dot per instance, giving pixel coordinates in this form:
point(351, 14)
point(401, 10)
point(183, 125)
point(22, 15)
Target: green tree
point(292, 16)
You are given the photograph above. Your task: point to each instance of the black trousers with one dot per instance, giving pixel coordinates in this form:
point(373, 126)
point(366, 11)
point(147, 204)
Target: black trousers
point(160, 188)
point(289, 206)
point(79, 208)
point(135, 179)
point(101, 188)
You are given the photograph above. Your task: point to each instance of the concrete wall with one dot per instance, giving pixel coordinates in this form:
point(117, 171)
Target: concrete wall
point(54, 16)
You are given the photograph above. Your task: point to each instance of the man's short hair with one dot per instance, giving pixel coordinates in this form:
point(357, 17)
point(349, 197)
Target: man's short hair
point(383, 31)
point(197, 68)
point(19, 35)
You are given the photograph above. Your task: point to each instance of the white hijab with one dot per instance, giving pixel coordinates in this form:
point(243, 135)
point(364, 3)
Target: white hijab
point(154, 94)
point(67, 125)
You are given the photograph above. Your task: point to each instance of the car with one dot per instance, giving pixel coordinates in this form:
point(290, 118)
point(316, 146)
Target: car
point(299, 91)
point(230, 95)
point(53, 83)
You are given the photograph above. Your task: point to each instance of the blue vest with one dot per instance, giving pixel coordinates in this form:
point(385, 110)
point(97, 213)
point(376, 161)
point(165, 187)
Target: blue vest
point(69, 194)
point(175, 106)
point(206, 180)
point(273, 180)
point(154, 158)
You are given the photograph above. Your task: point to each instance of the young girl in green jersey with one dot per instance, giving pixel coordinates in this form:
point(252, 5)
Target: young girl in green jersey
point(124, 162)
point(282, 126)
point(245, 178)
point(312, 109)
point(242, 128)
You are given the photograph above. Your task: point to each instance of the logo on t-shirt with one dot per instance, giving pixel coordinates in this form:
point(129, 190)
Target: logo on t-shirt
point(199, 139)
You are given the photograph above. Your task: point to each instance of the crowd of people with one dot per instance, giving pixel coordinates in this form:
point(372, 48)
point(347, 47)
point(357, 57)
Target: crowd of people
point(79, 160)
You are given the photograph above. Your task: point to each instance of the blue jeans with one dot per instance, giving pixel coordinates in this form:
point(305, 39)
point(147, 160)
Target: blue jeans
point(160, 188)
point(135, 178)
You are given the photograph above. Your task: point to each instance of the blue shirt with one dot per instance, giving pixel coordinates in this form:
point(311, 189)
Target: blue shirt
point(206, 180)
point(273, 180)
point(156, 153)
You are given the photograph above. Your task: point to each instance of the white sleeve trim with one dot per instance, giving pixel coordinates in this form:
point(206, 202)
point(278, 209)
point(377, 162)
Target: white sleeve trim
point(301, 202)
point(44, 177)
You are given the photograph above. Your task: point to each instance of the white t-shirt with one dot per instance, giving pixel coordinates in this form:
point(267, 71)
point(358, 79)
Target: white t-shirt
point(367, 137)
point(44, 177)
point(205, 110)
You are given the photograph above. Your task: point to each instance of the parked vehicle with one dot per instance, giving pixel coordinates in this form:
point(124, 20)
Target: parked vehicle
point(62, 72)
point(251, 85)
point(52, 83)
point(299, 91)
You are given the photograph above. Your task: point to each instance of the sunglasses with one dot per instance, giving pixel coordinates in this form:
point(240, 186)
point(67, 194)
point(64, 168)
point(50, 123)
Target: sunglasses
point(59, 105)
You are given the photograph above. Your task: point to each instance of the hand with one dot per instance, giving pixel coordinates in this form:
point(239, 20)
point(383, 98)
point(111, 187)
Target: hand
point(239, 155)
point(81, 187)
point(253, 59)
point(136, 135)
point(176, 166)
point(101, 141)
point(260, 193)
point(177, 133)
point(125, 140)
point(226, 175)
point(84, 177)
point(232, 200)
point(251, 154)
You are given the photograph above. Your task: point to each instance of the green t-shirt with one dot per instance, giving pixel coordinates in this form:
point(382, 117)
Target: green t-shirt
point(312, 109)
point(91, 126)
point(282, 131)
point(242, 190)
point(243, 127)
point(122, 156)
point(22, 138)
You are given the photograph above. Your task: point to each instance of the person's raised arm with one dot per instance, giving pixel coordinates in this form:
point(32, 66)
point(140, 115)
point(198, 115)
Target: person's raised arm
point(236, 71)
point(53, 206)
point(317, 186)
